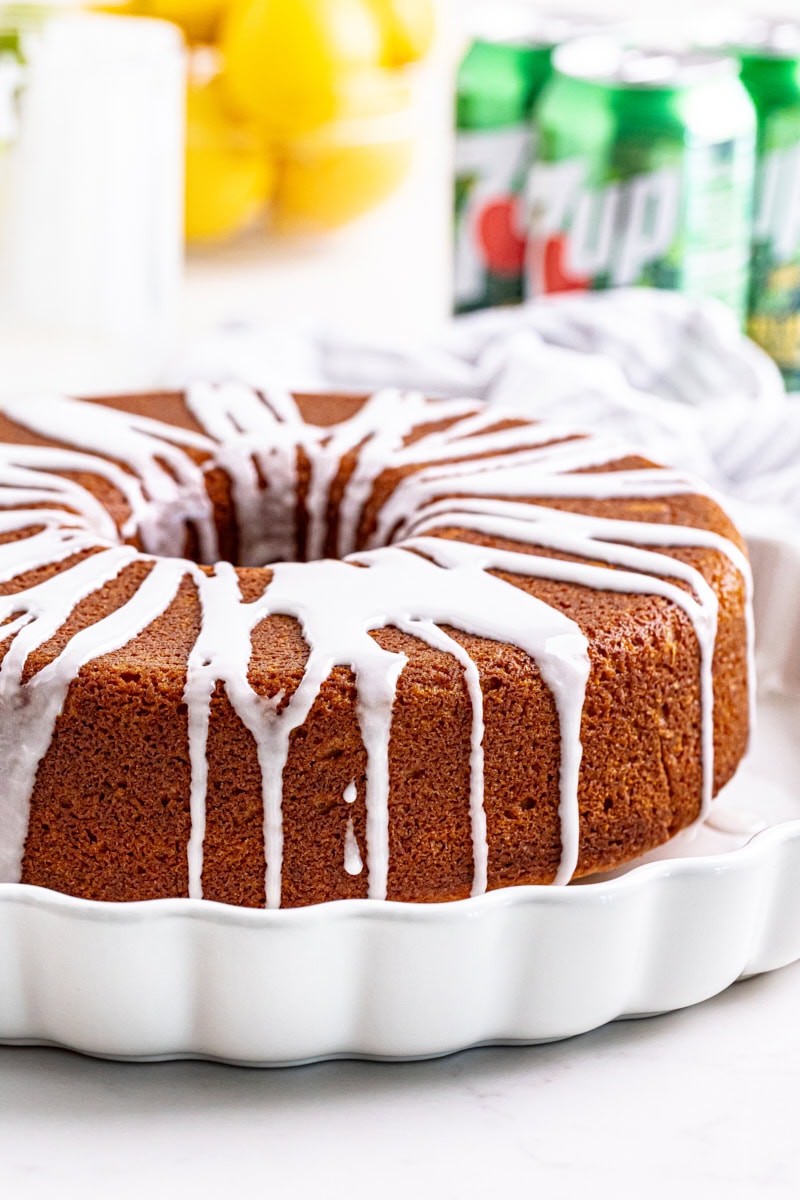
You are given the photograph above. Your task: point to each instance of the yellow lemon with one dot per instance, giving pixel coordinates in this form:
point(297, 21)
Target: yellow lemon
point(340, 172)
point(407, 26)
point(374, 93)
point(229, 177)
point(285, 59)
point(199, 19)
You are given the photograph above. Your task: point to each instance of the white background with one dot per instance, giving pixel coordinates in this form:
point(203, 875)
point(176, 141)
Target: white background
point(696, 1103)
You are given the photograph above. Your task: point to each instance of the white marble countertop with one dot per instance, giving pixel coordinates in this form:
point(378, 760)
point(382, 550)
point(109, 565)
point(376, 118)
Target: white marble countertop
point(701, 1102)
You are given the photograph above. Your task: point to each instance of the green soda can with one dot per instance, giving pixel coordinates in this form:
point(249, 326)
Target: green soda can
point(503, 72)
point(644, 173)
point(769, 57)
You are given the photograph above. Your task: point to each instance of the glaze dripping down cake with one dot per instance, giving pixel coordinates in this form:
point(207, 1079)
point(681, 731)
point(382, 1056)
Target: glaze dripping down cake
point(487, 651)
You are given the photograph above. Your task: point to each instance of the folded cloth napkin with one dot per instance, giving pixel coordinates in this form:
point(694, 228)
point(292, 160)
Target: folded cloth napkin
point(670, 374)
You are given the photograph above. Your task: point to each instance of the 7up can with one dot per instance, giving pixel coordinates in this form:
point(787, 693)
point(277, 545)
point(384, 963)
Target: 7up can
point(504, 70)
point(769, 54)
point(643, 175)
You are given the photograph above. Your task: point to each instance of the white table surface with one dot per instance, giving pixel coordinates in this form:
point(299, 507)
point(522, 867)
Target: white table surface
point(701, 1102)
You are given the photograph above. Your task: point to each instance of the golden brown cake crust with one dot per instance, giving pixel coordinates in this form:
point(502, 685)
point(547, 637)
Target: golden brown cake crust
point(110, 813)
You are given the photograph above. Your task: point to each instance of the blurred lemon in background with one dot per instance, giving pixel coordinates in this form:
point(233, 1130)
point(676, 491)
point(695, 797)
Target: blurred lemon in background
point(286, 60)
point(309, 107)
point(229, 176)
point(347, 167)
point(407, 29)
point(199, 19)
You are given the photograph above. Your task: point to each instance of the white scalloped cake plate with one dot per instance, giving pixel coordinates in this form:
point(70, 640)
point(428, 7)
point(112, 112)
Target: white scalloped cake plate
point(359, 978)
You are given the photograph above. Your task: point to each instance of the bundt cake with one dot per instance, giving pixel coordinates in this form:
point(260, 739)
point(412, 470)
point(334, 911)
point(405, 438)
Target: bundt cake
point(487, 651)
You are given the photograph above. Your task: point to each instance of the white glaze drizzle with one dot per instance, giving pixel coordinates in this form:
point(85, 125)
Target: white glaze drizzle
point(428, 632)
point(28, 711)
point(605, 538)
point(172, 495)
point(250, 438)
point(417, 584)
point(353, 862)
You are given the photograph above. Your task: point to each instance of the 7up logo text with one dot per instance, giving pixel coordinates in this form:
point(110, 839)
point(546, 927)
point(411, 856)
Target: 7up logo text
point(607, 236)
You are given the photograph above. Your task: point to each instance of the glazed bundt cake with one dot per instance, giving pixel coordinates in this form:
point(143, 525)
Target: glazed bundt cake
point(442, 648)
